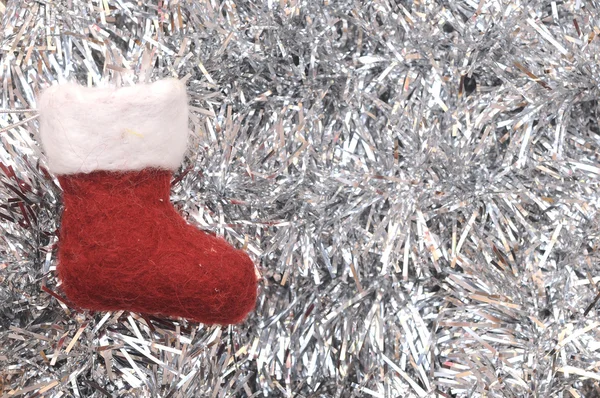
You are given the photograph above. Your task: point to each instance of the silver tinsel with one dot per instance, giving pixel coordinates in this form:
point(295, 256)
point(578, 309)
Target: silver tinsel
point(418, 182)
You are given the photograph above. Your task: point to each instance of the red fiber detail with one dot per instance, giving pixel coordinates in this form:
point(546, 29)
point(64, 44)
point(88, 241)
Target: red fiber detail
point(58, 296)
point(124, 247)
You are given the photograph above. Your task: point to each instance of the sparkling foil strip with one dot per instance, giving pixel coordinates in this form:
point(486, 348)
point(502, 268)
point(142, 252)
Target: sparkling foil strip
point(418, 182)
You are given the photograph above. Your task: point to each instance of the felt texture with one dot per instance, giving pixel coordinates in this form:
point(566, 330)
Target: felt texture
point(123, 246)
point(85, 129)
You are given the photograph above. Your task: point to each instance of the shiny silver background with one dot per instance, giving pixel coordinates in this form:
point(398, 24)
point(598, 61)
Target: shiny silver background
point(417, 181)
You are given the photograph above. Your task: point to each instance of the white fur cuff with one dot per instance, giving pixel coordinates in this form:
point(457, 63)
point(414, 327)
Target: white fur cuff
point(114, 129)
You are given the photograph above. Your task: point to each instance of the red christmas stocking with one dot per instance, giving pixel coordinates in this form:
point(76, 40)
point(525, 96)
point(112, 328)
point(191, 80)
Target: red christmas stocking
point(122, 244)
